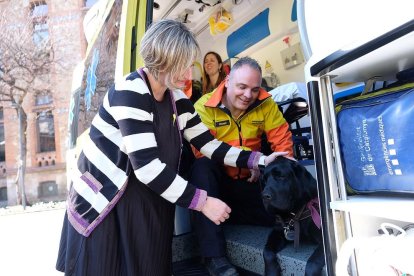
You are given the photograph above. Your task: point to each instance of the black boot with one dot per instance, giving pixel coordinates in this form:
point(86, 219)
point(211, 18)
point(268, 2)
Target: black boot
point(220, 266)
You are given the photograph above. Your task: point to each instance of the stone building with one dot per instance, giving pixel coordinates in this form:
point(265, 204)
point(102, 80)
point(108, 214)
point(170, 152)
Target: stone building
point(47, 113)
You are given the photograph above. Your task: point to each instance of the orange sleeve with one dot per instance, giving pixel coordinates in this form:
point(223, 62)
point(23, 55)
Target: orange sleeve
point(188, 89)
point(280, 139)
point(277, 129)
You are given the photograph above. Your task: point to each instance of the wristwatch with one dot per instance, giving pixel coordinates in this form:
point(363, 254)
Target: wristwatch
point(262, 161)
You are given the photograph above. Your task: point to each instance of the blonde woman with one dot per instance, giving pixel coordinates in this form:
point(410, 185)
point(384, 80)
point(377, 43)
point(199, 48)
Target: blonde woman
point(120, 212)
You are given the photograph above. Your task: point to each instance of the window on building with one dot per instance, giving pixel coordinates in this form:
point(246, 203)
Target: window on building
point(47, 189)
point(3, 194)
point(39, 10)
point(90, 3)
point(43, 99)
point(45, 131)
point(40, 33)
point(2, 141)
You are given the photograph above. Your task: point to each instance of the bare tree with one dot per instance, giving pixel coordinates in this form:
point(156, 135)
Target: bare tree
point(26, 57)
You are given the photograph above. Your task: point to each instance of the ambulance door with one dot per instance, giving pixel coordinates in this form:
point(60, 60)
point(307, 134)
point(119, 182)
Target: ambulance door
point(112, 30)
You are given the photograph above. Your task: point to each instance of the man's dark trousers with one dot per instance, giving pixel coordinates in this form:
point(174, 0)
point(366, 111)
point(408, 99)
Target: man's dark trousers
point(244, 198)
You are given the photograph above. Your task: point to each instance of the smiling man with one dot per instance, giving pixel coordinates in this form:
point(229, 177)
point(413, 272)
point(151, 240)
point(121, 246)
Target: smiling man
point(237, 112)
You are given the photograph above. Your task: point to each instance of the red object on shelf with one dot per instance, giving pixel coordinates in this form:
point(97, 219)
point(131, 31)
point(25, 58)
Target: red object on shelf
point(286, 40)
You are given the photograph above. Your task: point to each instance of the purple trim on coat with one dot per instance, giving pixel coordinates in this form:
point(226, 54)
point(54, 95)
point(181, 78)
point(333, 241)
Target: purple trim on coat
point(79, 223)
point(177, 123)
point(199, 200)
point(105, 211)
point(92, 182)
point(253, 162)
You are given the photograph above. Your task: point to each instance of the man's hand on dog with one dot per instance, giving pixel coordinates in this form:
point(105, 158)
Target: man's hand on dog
point(216, 210)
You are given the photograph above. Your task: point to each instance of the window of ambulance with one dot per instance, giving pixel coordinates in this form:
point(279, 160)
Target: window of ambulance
point(97, 72)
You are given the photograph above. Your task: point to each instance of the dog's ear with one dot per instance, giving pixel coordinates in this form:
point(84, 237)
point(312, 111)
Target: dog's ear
point(305, 179)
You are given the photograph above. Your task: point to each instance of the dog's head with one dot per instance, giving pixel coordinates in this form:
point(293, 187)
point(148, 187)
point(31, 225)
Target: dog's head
point(287, 186)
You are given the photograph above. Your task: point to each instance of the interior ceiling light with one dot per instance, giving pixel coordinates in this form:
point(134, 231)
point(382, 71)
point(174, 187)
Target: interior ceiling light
point(208, 2)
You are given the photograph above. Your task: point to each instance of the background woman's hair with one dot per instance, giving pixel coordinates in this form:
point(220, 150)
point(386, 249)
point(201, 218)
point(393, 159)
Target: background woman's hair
point(207, 85)
point(168, 46)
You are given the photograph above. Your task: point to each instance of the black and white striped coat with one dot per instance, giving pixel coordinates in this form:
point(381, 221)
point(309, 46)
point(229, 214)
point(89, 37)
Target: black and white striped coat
point(121, 141)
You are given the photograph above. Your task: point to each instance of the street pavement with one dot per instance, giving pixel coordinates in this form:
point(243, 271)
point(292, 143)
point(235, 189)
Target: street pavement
point(29, 243)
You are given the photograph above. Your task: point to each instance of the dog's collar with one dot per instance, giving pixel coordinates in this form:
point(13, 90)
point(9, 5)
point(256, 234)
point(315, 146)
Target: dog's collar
point(310, 209)
point(301, 215)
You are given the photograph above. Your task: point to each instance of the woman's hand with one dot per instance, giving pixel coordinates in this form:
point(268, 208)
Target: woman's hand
point(254, 175)
point(269, 159)
point(216, 210)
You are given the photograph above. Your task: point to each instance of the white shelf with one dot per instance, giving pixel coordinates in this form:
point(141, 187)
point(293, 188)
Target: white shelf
point(382, 57)
point(386, 207)
point(379, 63)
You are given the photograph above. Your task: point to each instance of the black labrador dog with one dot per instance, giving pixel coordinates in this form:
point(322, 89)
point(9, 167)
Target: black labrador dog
point(290, 194)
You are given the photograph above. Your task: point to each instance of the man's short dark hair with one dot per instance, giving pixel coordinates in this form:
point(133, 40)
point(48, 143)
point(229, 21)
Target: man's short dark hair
point(252, 63)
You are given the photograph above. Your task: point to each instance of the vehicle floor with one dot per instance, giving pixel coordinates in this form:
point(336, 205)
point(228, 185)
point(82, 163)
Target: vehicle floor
point(195, 267)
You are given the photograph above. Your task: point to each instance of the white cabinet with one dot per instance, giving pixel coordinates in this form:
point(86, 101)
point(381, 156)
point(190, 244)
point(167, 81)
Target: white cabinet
point(346, 216)
point(395, 208)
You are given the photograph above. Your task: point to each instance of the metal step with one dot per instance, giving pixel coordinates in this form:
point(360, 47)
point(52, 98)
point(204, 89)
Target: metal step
point(244, 249)
point(194, 267)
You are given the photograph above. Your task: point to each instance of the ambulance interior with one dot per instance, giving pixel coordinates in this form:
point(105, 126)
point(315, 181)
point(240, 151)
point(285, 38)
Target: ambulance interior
point(273, 33)
point(265, 30)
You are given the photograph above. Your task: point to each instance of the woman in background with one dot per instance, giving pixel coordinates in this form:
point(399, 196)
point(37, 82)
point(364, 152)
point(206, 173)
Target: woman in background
point(213, 73)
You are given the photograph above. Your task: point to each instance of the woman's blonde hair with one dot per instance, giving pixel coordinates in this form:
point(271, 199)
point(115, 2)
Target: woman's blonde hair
point(168, 46)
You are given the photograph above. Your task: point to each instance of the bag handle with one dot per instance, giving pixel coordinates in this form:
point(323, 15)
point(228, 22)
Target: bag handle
point(348, 247)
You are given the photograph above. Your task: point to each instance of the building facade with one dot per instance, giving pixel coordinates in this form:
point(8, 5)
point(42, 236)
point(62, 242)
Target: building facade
point(47, 112)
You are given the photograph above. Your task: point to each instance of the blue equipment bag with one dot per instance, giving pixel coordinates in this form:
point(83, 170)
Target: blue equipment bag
point(376, 135)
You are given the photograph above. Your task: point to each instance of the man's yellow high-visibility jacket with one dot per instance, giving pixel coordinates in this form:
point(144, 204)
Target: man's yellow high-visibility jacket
point(263, 116)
